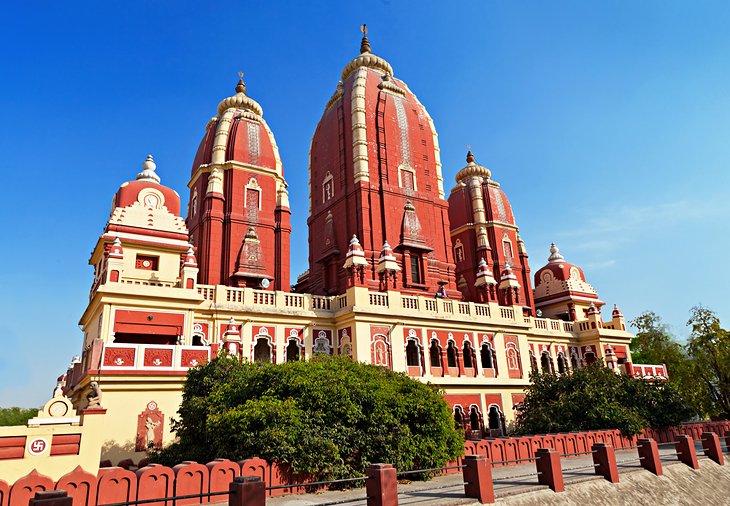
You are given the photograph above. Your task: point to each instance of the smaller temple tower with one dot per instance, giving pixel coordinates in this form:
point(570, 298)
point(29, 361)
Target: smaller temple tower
point(491, 259)
point(239, 215)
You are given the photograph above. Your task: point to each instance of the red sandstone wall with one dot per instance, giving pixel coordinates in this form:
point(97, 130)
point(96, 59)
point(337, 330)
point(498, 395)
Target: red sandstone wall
point(118, 484)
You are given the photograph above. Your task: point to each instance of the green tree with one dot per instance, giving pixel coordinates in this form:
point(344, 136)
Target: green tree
point(595, 397)
point(16, 416)
point(709, 347)
point(330, 417)
point(655, 344)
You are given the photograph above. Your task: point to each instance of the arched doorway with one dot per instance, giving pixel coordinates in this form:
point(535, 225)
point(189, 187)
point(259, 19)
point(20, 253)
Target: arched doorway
point(545, 362)
point(574, 361)
point(562, 363)
point(468, 357)
point(434, 354)
point(451, 354)
point(494, 420)
point(293, 351)
point(475, 422)
point(262, 350)
point(487, 356)
point(413, 353)
point(459, 417)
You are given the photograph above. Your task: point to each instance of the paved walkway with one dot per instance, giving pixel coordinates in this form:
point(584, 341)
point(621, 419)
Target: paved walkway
point(449, 490)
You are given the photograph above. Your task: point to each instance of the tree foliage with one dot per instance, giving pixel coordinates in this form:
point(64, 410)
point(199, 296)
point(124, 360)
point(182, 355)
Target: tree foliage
point(709, 347)
point(700, 369)
point(16, 416)
point(595, 397)
point(329, 416)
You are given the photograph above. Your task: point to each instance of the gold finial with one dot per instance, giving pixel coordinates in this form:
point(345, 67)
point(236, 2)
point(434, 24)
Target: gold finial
point(365, 44)
point(469, 154)
point(241, 86)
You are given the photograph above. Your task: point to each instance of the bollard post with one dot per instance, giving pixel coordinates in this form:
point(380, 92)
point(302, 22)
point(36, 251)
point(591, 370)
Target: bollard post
point(711, 445)
point(685, 446)
point(51, 498)
point(381, 486)
point(604, 457)
point(549, 471)
point(247, 491)
point(478, 479)
point(649, 455)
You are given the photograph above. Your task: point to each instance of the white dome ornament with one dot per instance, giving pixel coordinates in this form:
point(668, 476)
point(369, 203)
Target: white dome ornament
point(555, 255)
point(148, 171)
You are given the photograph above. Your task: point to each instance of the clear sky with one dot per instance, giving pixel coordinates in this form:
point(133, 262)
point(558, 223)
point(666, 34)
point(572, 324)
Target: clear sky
point(606, 122)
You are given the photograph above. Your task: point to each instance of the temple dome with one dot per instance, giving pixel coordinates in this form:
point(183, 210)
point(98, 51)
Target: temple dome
point(559, 277)
point(238, 133)
point(146, 190)
point(472, 169)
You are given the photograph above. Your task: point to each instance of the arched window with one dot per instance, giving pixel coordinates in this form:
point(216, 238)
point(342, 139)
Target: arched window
point(487, 356)
point(474, 419)
point(494, 418)
point(562, 363)
point(199, 340)
point(292, 351)
point(459, 417)
point(413, 353)
point(451, 354)
point(533, 362)
point(545, 362)
point(262, 350)
point(589, 357)
point(574, 361)
point(434, 353)
point(468, 362)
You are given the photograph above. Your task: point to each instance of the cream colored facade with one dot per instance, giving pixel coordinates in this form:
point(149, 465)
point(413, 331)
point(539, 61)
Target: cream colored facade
point(129, 387)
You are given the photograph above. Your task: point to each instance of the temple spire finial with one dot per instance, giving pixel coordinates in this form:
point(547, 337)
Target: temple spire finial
point(365, 43)
point(241, 86)
point(469, 154)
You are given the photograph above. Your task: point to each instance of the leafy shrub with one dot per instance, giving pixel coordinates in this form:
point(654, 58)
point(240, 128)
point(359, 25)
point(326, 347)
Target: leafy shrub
point(595, 397)
point(330, 417)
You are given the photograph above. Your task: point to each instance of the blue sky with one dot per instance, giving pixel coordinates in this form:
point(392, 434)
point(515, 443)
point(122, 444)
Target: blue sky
point(607, 124)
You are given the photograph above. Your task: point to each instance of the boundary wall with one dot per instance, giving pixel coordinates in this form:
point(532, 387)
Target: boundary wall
point(148, 481)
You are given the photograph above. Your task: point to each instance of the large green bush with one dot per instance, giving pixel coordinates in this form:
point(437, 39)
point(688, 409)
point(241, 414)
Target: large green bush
point(595, 397)
point(330, 417)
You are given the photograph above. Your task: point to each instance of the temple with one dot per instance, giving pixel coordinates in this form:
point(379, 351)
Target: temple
point(402, 274)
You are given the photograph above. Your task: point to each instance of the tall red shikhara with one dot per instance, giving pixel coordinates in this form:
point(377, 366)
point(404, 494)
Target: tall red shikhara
point(238, 216)
point(491, 260)
point(375, 173)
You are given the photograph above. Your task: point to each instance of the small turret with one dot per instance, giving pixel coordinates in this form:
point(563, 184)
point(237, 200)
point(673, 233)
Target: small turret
point(232, 339)
point(189, 270)
point(509, 286)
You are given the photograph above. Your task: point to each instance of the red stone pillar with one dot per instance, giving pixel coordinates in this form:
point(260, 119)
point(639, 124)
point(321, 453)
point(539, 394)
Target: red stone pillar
point(381, 486)
point(211, 240)
point(478, 479)
point(604, 457)
point(548, 468)
point(282, 234)
point(649, 455)
point(246, 491)
point(51, 498)
point(686, 453)
point(711, 445)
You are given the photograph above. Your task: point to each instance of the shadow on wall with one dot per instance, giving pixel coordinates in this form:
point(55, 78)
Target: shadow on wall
point(117, 451)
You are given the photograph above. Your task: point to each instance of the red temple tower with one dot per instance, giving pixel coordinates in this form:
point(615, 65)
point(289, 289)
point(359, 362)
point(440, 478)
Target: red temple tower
point(238, 216)
point(375, 173)
point(491, 260)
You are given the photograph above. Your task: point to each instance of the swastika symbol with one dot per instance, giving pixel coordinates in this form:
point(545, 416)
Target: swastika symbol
point(37, 446)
